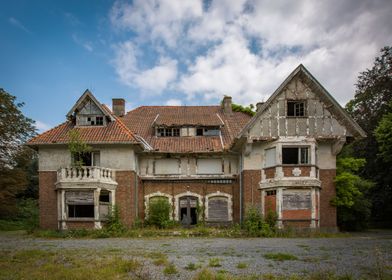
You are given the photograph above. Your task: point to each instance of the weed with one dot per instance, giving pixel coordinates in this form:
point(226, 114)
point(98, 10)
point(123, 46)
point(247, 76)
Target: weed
point(214, 262)
point(170, 269)
point(242, 265)
point(192, 266)
point(280, 257)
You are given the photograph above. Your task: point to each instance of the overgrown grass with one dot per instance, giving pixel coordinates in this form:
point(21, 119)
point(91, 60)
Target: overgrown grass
point(170, 269)
point(280, 257)
point(242, 265)
point(214, 262)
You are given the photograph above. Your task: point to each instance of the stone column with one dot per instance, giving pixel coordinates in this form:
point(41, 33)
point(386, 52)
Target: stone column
point(97, 222)
point(63, 210)
point(279, 206)
point(262, 203)
point(313, 212)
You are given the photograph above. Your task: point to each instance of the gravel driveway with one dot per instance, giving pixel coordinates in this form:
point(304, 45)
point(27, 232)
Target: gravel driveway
point(356, 255)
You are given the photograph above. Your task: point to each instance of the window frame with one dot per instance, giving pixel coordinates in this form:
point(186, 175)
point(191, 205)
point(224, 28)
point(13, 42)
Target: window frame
point(296, 114)
point(299, 155)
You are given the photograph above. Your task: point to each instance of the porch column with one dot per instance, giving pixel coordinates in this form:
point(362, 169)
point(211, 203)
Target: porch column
point(313, 212)
point(279, 204)
point(262, 203)
point(63, 210)
point(318, 208)
point(97, 222)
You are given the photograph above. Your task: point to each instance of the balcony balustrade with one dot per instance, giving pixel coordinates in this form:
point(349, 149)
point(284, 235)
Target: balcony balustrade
point(85, 174)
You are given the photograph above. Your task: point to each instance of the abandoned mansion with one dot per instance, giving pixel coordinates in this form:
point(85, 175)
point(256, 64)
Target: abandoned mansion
point(210, 162)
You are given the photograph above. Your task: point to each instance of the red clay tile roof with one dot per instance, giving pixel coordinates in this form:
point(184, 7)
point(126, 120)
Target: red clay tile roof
point(141, 121)
point(114, 132)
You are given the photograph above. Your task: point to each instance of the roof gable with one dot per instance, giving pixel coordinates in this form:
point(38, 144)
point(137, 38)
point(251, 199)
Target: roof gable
point(87, 104)
point(322, 94)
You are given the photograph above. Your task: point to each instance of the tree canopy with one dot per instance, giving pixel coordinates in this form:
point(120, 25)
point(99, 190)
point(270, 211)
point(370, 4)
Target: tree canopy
point(17, 167)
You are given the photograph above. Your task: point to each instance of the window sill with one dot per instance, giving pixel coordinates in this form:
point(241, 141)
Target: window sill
point(80, 220)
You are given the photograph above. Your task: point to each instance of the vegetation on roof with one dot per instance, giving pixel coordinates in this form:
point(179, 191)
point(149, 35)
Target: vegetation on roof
point(247, 110)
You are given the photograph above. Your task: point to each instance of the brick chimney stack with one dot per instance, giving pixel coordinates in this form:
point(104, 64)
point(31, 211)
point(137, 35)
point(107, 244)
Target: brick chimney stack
point(226, 105)
point(118, 106)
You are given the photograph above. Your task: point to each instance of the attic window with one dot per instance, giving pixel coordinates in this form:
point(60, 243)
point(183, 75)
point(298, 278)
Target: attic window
point(296, 108)
point(90, 120)
point(168, 132)
point(207, 131)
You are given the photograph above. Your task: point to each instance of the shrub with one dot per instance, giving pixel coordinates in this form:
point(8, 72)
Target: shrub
point(254, 224)
point(113, 223)
point(214, 262)
point(170, 269)
point(159, 213)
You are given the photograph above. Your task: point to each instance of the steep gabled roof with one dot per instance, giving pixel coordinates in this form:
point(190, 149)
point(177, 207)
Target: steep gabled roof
point(342, 116)
point(143, 119)
point(85, 95)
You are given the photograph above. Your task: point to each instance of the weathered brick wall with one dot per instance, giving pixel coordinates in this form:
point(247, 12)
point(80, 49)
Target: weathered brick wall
point(300, 214)
point(80, 225)
point(328, 191)
point(269, 203)
point(251, 191)
point(125, 196)
point(198, 187)
point(47, 200)
point(288, 170)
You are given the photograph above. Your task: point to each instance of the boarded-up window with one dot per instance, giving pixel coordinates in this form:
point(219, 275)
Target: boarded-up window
point(270, 157)
point(80, 204)
point(167, 166)
point(296, 200)
point(218, 209)
point(75, 197)
point(209, 166)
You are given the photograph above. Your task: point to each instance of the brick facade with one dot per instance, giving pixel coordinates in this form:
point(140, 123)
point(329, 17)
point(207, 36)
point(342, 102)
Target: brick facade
point(251, 191)
point(199, 187)
point(47, 200)
point(125, 196)
point(328, 191)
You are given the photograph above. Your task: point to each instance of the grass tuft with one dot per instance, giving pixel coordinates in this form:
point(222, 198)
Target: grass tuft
point(280, 257)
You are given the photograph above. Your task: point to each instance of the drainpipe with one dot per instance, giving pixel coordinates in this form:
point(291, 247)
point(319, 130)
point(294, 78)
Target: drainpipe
point(241, 188)
point(136, 187)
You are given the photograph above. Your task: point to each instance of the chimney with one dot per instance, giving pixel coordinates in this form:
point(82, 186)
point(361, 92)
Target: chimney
point(118, 106)
point(258, 106)
point(226, 105)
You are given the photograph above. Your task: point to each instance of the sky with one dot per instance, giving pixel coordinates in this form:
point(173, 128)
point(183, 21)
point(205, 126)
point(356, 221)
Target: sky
point(181, 52)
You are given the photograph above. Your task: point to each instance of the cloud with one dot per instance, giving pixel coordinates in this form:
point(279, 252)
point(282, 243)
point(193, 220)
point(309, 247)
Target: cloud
point(206, 49)
point(150, 80)
point(41, 126)
point(85, 44)
point(19, 25)
point(174, 102)
point(72, 19)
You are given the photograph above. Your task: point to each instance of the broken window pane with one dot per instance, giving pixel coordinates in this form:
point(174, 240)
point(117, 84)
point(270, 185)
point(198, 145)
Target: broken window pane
point(296, 108)
point(295, 155)
point(80, 211)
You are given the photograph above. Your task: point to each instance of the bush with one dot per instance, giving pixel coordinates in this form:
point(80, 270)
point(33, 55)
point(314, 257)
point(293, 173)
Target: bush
point(159, 213)
point(254, 224)
point(113, 224)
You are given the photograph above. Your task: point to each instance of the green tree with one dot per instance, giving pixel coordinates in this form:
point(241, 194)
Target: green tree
point(352, 200)
point(15, 129)
point(383, 134)
point(371, 102)
point(78, 148)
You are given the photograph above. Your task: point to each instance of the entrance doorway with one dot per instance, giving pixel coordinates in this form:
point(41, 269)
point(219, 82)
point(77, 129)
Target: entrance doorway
point(188, 210)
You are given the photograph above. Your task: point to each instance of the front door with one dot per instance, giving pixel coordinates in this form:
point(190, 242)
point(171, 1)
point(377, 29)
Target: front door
point(188, 210)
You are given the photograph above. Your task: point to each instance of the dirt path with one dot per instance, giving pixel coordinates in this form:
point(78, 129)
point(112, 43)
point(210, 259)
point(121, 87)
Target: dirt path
point(359, 255)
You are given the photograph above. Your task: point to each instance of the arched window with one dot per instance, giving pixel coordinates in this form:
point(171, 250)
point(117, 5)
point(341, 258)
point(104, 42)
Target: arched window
point(219, 207)
point(155, 196)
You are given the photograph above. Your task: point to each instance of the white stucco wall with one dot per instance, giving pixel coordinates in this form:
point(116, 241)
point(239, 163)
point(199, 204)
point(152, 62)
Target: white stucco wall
point(325, 158)
point(53, 158)
point(117, 157)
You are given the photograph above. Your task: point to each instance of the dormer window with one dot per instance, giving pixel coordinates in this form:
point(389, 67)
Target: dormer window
point(207, 131)
point(296, 108)
point(94, 120)
point(168, 132)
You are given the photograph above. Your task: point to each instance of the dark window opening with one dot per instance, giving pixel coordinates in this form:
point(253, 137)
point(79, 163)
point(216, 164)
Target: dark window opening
point(99, 120)
point(207, 131)
point(199, 132)
point(296, 108)
point(269, 193)
point(104, 197)
point(168, 132)
point(88, 159)
point(80, 211)
point(176, 132)
point(295, 155)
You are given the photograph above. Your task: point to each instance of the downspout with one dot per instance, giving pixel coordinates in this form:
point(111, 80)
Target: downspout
point(241, 189)
point(136, 188)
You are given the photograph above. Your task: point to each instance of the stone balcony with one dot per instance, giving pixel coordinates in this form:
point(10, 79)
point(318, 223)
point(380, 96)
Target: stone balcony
point(290, 176)
point(86, 177)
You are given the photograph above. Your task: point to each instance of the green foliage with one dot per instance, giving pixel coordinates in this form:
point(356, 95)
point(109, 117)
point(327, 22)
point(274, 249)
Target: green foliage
point(113, 224)
point(247, 110)
point(254, 224)
point(78, 148)
point(159, 213)
point(170, 269)
point(280, 257)
point(371, 103)
point(383, 134)
point(351, 198)
point(214, 262)
point(271, 218)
